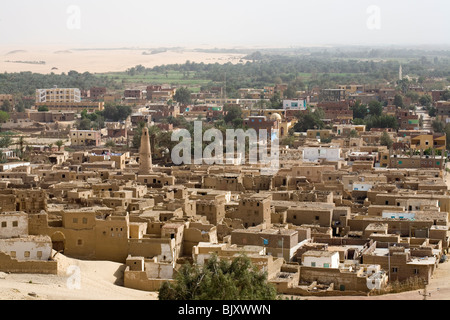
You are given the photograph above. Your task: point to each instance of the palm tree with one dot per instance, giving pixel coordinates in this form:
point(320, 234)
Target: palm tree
point(59, 143)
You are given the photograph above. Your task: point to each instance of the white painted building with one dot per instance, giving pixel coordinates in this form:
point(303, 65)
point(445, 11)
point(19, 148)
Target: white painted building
point(28, 248)
point(58, 95)
point(294, 104)
point(11, 165)
point(362, 186)
point(312, 154)
point(398, 215)
point(321, 259)
point(13, 224)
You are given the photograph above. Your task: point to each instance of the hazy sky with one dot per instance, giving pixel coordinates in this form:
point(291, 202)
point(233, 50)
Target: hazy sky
point(149, 23)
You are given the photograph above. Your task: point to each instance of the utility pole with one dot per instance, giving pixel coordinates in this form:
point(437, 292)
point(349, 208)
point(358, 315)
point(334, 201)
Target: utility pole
point(425, 294)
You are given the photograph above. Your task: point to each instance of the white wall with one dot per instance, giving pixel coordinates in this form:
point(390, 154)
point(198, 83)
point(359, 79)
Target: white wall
point(29, 244)
point(159, 270)
point(10, 231)
point(314, 154)
point(362, 186)
point(333, 261)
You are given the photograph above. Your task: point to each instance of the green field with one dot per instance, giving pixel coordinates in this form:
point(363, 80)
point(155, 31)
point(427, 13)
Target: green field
point(172, 78)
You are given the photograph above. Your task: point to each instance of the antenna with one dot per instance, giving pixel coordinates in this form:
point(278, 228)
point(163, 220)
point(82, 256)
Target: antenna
point(225, 89)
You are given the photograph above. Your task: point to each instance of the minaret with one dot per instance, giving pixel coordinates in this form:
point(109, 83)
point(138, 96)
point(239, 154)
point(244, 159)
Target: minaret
point(145, 154)
point(400, 73)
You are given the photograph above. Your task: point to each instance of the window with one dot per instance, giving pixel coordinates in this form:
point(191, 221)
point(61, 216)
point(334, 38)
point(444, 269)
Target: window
point(416, 271)
point(75, 220)
point(12, 254)
point(395, 270)
point(39, 254)
point(15, 223)
point(26, 254)
point(3, 224)
point(317, 218)
point(85, 220)
point(79, 242)
point(313, 264)
point(326, 265)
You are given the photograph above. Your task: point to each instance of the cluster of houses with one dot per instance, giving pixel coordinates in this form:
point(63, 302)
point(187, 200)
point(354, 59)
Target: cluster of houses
point(343, 214)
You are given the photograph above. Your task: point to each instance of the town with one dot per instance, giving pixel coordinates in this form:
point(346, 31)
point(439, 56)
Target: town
point(353, 207)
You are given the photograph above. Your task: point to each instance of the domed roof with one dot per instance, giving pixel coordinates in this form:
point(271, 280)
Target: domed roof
point(275, 116)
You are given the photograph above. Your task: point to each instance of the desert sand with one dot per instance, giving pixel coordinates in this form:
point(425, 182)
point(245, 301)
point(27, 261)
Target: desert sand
point(99, 280)
point(59, 60)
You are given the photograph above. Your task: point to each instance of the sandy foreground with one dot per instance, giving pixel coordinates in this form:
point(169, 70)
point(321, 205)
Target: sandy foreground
point(76, 280)
point(102, 280)
point(58, 60)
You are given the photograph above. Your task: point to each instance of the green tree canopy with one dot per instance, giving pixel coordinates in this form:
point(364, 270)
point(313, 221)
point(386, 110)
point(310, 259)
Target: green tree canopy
point(383, 121)
point(309, 120)
point(359, 110)
point(4, 116)
point(219, 280)
point(398, 101)
point(116, 113)
point(183, 96)
point(233, 113)
point(386, 140)
point(6, 106)
point(59, 144)
point(5, 142)
point(375, 108)
point(425, 100)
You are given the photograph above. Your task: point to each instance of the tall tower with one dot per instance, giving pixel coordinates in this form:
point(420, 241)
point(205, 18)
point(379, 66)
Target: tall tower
point(400, 73)
point(145, 153)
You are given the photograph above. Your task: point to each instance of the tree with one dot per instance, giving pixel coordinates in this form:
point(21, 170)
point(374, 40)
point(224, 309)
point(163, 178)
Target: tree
point(233, 113)
point(20, 143)
point(353, 134)
point(291, 92)
point(6, 106)
point(85, 124)
point(276, 102)
point(219, 280)
point(386, 140)
point(4, 116)
point(359, 110)
point(183, 96)
point(309, 120)
point(59, 144)
point(5, 142)
point(398, 101)
point(115, 113)
point(288, 141)
point(110, 144)
point(43, 109)
point(425, 100)
point(383, 121)
point(446, 95)
point(432, 111)
point(375, 108)
point(438, 126)
point(414, 96)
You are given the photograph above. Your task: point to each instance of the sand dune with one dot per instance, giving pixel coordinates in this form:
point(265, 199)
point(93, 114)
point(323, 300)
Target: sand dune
point(59, 60)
